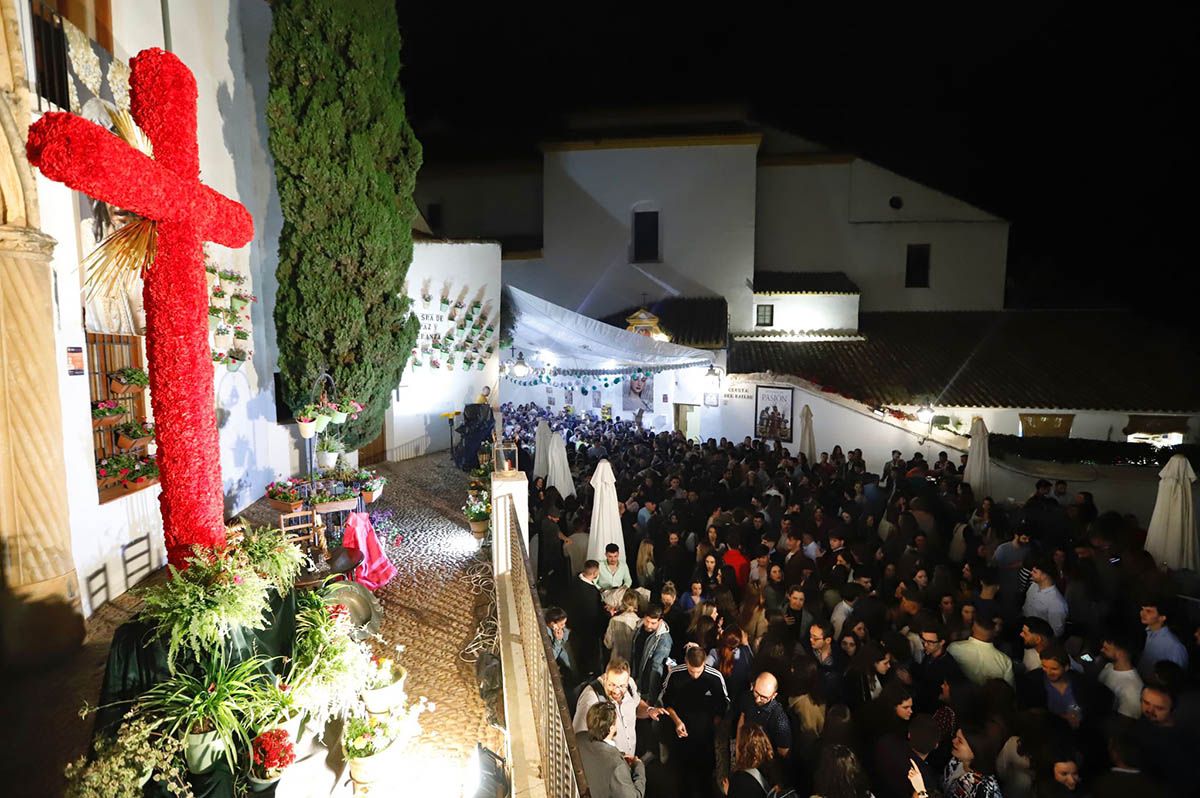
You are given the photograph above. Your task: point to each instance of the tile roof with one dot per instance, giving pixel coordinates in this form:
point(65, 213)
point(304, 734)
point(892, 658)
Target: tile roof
point(1082, 360)
point(701, 322)
point(803, 283)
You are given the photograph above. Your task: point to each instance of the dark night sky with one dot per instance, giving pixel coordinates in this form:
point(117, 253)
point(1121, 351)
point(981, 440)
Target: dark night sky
point(1075, 125)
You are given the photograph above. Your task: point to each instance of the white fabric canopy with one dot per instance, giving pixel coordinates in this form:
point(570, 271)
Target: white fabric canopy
point(560, 472)
point(1172, 534)
point(606, 517)
point(582, 343)
point(808, 442)
point(979, 468)
point(541, 449)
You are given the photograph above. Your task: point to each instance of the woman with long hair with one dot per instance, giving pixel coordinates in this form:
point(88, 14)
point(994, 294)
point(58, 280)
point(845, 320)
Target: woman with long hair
point(752, 753)
point(775, 593)
point(752, 615)
point(645, 563)
point(840, 775)
point(708, 570)
point(865, 675)
point(971, 771)
point(733, 658)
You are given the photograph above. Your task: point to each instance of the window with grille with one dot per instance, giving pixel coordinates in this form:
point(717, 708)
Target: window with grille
point(107, 353)
point(765, 315)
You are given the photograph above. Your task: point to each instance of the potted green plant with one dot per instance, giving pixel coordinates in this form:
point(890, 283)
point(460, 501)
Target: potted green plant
point(216, 315)
point(222, 336)
point(272, 556)
point(271, 752)
point(127, 380)
point(106, 413)
point(370, 485)
point(329, 668)
point(219, 358)
point(210, 274)
point(364, 741)
point(385, 687)
point(328, 449)
point(219, 297)
point(114, 468)
point(484, 454)
point(230, 277)
point(480, 365)
point(212, 710)
point(324, 415)
point(240, 299)
point(134, 434)
point(198, 607)
point(284, 495)
point(120, 766)
point(346, 407)
point(144, 474)
point(334, 502)
point(478, 511)
point(240, 333)
point(237, 356)
point(306, 419)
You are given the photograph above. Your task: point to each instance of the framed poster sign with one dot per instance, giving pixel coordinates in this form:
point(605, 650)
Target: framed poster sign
point(773, 413)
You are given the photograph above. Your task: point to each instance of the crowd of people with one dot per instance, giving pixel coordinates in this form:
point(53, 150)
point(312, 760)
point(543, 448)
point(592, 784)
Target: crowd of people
point(844, 631)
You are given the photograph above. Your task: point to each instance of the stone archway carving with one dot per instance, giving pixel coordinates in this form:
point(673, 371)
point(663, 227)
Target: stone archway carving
point(39, 594)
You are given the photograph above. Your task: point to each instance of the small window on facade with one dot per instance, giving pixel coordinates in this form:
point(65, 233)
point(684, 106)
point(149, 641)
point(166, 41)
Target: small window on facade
point(645, 236)
point(916, 267)
point(766, 315)
point(433, 215)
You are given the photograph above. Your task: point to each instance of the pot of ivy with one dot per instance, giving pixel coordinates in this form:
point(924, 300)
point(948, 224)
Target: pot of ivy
point(215, 316)
point(107, 413)
point(328, 449)
point(478, 511)
point(210, 708)
point(237, 356)
point(306, 419)
point(128, 380)
point(134, 434)
point(327, 502)
point(284, 495)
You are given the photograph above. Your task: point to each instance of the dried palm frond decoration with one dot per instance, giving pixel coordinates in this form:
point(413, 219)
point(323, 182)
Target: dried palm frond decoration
point(126, 253)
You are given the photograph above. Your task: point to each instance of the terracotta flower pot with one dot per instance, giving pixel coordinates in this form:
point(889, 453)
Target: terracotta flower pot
point(121, 388)
point(336, 507)
point(126, 442)
point(369, 496)
point(285, 507)
point(104, 422)
point(479, 528)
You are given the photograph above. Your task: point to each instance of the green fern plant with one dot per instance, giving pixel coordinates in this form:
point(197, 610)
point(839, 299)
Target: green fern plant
point(273, 556)
point(197, 608)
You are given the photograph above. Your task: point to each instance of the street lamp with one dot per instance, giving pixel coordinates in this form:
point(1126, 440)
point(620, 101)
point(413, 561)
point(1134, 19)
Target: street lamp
point(520, 369)
point(712, 380)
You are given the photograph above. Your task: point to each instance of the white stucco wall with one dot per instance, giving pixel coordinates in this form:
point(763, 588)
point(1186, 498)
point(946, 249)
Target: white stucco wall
point(808, 311)
point(213, 40)
point(836, 217)
point(413, 425)
point(495, 204)
point(705, 197)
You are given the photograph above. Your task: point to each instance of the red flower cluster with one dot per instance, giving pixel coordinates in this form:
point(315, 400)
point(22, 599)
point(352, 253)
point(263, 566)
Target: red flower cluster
point(166, 189)
point(273, 750)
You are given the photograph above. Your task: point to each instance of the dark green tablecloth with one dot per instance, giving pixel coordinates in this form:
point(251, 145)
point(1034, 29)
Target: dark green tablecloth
point(137, 660)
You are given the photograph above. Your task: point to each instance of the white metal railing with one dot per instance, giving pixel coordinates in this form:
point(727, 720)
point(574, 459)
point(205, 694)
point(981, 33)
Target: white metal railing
point(533, 692)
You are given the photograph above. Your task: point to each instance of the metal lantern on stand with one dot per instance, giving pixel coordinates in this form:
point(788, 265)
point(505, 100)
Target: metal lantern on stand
point(504, 455)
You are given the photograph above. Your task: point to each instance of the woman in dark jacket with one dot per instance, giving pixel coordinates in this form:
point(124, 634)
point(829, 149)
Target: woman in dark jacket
point(865, 676)
point(752, 756)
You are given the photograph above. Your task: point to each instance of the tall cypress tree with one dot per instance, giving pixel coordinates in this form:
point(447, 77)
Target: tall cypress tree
point(346, 162)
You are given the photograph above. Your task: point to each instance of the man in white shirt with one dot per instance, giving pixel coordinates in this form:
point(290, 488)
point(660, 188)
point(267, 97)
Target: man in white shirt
point(978, 658)
point(1120, 676)
point(1043, 599)
point(617, 687)
point(1036, 636)
point(850, 593)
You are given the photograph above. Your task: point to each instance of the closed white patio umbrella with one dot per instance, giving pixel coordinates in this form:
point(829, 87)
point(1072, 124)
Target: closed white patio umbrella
point(979, 468)
point(606, 516)
point(559, 469)
point(541, 449)
point(808, 442)
point(1171, 537)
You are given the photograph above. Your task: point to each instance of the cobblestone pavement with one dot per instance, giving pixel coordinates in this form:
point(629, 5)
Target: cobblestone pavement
point(430, 608)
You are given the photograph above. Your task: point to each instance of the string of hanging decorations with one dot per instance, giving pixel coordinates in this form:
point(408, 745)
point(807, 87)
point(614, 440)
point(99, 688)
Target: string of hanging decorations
point(604, 377)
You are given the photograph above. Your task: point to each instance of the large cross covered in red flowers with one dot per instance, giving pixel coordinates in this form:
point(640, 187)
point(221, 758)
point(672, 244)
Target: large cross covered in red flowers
point(166, 189)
